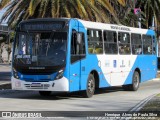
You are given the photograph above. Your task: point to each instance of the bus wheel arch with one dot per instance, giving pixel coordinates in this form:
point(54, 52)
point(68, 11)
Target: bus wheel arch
point(96, 77)
point(136, 80)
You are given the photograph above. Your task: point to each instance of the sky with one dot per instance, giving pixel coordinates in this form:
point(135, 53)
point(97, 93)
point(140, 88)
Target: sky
point(1, 14)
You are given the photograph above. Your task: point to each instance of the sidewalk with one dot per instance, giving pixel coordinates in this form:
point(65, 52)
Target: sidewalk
point(150, 104)
point(5, 75)
point(5, 67)
point(153, 104)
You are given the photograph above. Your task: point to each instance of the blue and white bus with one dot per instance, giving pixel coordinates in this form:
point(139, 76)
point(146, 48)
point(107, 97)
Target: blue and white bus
point(68, 55)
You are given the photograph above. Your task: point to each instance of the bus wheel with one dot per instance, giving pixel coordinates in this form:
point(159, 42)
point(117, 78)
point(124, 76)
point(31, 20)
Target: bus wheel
point(45, 93)
point(135, 81)
point(89, 92)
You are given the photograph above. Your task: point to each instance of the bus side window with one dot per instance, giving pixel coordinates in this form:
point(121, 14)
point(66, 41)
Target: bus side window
point(124, 43)
point(76, 48)
point(95, 45)
point(147, 44)
point(73, 43)
point(136, 44)
point(110, 42)
point(154, 45)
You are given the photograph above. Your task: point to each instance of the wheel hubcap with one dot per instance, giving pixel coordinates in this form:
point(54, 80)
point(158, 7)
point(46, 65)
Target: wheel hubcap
point(91, 86)
point(136, 81)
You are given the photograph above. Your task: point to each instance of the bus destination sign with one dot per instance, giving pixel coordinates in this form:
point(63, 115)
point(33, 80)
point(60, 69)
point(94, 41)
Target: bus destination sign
point(36, 26)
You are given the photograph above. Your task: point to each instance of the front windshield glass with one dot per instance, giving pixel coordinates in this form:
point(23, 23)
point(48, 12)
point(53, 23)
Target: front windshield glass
point(40, 48)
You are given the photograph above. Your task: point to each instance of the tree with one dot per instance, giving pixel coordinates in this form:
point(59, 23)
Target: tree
point(4, 3)
point(94, 10)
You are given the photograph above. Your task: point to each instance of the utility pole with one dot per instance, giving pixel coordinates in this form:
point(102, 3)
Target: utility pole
point(137, 12)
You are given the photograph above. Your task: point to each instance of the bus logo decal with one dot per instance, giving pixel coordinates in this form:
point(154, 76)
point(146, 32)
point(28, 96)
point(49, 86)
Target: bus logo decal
point(114, 63)
point(107, 64)
point(122, 65)
point(129, 63)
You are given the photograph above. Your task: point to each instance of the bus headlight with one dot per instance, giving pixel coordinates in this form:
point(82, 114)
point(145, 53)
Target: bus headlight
point(15, 74)
point(59, 74)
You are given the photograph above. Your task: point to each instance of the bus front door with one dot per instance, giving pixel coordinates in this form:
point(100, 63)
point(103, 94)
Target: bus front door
point(75, 75)
point(77, 61)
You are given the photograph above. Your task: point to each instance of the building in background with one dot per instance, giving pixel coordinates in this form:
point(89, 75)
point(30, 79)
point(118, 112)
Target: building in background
point(5, 44)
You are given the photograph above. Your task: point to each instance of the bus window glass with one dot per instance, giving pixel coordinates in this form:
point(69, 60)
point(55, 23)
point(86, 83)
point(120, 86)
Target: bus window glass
point(95, 44)
point(154, 45)
point(40, 48)
point(77, 49)
point(22, 44)
point(124, 43)
point(110, 42)
point(136, 44)
point(147, 44)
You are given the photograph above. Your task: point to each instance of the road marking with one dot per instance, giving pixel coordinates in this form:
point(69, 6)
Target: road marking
point(139, 106)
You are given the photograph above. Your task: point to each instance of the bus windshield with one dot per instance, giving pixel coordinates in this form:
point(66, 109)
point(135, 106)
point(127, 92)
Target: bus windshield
point(40, 48)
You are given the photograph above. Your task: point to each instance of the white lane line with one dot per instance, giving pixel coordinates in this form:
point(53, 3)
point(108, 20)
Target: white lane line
point(139, 106)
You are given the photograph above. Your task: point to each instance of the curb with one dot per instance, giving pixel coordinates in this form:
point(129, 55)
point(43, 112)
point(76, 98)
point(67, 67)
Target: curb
point(140, 105)
point(5, 66)
point(156, 79)
point(6, 85)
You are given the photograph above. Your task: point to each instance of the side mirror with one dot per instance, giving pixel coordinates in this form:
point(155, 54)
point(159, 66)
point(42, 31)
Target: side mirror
point(79, 38)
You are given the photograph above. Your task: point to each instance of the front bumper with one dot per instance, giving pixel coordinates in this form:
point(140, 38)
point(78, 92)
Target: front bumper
point(61, 85)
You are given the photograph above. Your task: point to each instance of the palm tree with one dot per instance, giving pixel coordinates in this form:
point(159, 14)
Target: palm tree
point(4, 3)
point(128, 17)
point(94, 10)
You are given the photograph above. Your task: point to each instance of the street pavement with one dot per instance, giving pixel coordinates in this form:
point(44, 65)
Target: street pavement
point(5, 74)
point(110, 99)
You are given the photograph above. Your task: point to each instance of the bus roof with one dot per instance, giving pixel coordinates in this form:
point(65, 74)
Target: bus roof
point(96, 25)
point(114, 27)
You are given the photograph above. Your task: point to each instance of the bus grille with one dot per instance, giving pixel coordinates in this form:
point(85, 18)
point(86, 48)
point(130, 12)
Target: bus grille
point(37, 86)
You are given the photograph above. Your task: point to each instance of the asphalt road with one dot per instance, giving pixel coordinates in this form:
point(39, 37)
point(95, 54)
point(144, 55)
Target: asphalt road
point(110, 99)
point(5, 74)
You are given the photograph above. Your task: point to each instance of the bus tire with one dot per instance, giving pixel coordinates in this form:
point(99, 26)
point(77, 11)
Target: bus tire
point(89, 92)
point(135, 81)
point(45, 93)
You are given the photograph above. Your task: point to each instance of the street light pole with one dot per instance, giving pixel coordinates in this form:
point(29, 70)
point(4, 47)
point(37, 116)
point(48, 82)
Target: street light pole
point(137, 11)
